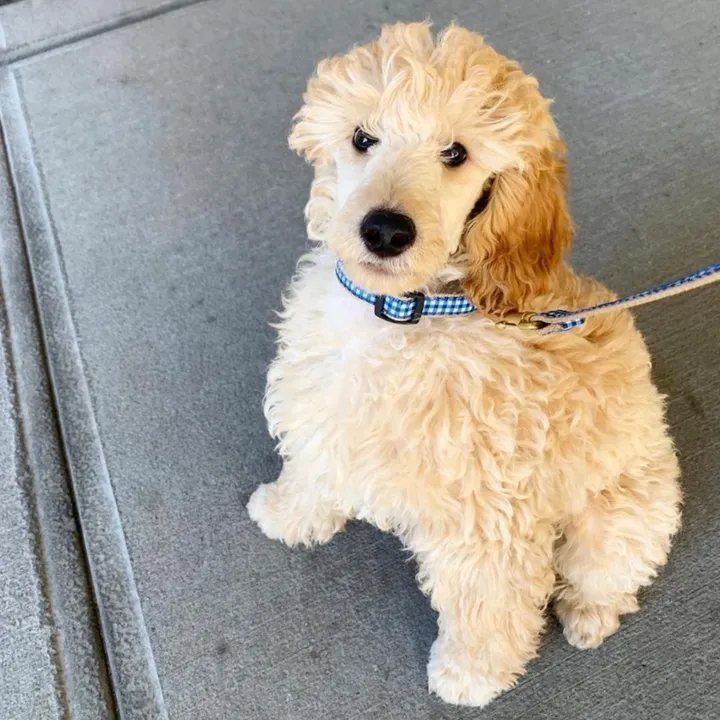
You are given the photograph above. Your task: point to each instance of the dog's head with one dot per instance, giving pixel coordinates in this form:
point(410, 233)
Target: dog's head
point(435, 162)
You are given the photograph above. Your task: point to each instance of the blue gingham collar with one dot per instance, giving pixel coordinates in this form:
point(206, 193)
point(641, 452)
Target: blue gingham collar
point(409, 309)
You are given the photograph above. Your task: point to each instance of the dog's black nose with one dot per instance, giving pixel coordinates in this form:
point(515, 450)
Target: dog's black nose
point(387, 233)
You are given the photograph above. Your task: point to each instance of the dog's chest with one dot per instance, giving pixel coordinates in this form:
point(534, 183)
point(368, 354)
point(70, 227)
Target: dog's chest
point(335, 351)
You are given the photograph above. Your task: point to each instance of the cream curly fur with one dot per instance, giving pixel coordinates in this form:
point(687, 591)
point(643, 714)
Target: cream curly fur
point(515, 468)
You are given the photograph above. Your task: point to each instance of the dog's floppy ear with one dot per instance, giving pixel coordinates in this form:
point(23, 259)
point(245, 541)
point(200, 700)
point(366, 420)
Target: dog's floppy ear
point(335, 96)
point(311, 137)
point(517, 242)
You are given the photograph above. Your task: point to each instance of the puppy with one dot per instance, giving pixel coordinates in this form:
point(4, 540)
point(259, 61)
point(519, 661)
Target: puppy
point(516, 467)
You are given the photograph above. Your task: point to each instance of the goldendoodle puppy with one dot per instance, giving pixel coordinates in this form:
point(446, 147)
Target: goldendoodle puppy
point(516, 467)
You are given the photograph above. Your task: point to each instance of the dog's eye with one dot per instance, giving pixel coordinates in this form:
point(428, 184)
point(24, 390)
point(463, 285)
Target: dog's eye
point(454, 156)
point(362, 141)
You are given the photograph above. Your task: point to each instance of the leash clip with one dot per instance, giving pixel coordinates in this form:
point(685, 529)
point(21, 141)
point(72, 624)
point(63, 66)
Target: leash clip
point(522, 321)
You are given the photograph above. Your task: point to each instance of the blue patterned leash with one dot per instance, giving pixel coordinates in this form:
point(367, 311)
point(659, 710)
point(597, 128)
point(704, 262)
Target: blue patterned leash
point(560, 320)
point(409, 309)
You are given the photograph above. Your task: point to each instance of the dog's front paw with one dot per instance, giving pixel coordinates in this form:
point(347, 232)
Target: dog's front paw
point(283, 518)
point(586, 625)
point(455, 681)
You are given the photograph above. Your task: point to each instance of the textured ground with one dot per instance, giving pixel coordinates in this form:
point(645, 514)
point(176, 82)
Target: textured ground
point(150, 214)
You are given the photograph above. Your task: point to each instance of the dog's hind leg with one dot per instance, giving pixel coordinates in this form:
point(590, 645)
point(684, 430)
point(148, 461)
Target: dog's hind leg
point(613, 548)
point(295, 510)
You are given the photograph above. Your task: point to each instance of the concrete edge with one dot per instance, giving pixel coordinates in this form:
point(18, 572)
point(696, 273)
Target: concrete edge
point(131, 665)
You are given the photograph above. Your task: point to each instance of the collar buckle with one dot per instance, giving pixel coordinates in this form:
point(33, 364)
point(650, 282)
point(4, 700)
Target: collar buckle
point(415, 316)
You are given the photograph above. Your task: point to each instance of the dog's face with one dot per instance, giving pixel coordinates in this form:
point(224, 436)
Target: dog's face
point(435, 162)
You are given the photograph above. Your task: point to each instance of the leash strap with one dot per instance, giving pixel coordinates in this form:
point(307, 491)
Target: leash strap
point(553, 321)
